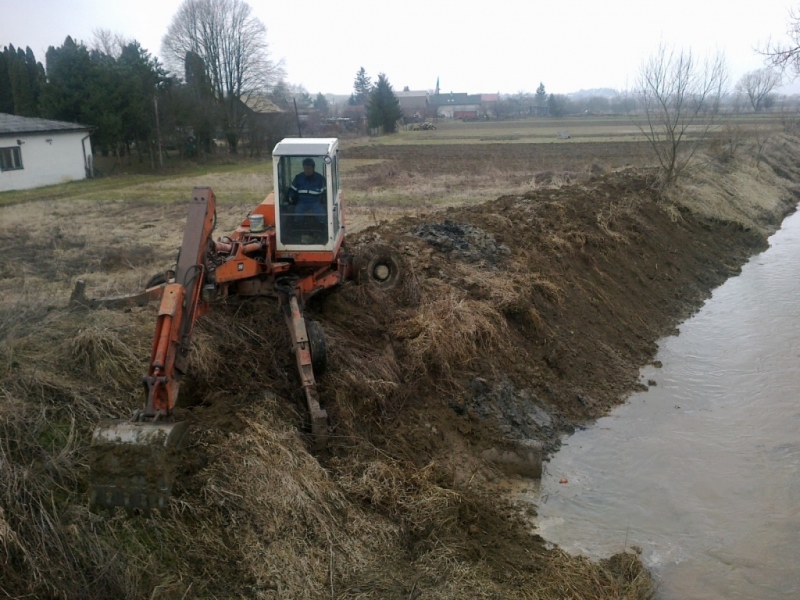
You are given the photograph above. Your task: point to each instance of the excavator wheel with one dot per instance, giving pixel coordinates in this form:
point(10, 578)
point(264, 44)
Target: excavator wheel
point(319, 348)
point(379, 265)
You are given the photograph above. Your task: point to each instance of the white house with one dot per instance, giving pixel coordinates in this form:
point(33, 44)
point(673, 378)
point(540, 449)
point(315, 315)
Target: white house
point(36, 152)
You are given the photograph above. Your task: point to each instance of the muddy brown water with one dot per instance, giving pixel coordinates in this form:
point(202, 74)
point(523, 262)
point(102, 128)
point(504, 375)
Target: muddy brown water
point(702, 472)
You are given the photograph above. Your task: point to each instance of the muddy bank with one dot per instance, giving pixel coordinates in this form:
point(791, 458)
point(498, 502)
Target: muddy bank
point(574, 286)
point(521, 318)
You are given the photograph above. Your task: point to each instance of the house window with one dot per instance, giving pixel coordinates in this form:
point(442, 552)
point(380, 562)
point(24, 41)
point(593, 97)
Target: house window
point(10, 158)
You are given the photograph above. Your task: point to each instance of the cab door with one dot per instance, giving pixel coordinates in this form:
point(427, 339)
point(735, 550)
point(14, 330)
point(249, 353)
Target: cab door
point(336, 196)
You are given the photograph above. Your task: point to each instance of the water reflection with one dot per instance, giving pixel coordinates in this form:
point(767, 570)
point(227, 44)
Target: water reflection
point(702, 472)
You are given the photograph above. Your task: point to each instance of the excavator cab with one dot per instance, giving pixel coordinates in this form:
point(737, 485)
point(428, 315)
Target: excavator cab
point(308, 207)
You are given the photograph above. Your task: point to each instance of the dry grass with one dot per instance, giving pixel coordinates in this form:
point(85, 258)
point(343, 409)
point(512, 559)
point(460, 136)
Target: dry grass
point(448, 331)
point(751, 174)
point(262, 519)
point(621, 577)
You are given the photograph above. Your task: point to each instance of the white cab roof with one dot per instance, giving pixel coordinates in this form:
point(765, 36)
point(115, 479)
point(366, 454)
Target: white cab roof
point(305, 147)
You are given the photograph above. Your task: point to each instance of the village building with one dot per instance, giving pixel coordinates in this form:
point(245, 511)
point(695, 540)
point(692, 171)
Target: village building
point(37, 152)
point(414, 103)
point(457, 105)
point(264, 123)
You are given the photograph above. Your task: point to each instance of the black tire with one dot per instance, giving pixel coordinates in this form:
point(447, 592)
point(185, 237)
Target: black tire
point(159, 279)
point(318, 346)
point(380, 266)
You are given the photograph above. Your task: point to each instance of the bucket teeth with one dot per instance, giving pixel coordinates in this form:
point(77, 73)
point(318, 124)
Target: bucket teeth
point(132, 465)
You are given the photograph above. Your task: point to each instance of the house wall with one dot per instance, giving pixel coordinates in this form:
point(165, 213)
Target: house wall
point(410, 105)
point(449, 111)
point(46, 162)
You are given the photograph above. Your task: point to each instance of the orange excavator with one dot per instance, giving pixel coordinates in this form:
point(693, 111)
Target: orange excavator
point(290, 246)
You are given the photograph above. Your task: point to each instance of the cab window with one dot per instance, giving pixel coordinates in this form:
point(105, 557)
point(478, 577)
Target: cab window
point(303, 200)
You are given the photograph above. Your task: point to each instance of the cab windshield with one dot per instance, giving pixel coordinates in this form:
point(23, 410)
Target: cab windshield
point(303, 197)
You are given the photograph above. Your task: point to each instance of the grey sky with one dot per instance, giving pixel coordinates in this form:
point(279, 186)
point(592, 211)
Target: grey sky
point(472, 46)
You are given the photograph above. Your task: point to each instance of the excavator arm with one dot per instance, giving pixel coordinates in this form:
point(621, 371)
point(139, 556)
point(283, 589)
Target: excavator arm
point(132, 463)
point(181, 306)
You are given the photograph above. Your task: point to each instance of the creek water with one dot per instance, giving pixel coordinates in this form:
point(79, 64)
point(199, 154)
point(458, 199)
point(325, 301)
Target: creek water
point(701, 473)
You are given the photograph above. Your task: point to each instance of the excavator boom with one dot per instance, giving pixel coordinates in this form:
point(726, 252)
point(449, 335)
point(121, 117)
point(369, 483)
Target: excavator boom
point(132, 463)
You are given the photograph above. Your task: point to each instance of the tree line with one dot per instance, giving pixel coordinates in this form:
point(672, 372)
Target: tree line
point(113, 93)
point(218, 84)
point(216, 81)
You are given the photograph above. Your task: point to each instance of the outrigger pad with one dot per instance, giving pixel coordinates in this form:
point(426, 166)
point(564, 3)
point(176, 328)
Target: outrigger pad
point(132, 464)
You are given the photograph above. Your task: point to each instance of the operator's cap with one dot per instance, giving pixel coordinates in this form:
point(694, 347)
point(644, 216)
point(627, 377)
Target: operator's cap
point(309, 161)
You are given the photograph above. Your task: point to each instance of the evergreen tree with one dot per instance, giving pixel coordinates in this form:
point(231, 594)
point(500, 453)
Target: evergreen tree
point(113, 95)
point(202, 113)
point(142, 75)
point(36, 77)
point(362, 86)
point(557, 105)
point(321, 103)
point(20, 82)
point(69, 74)
point(541, 95)
point(383, 107)
point(6, 95)
point(301, 96)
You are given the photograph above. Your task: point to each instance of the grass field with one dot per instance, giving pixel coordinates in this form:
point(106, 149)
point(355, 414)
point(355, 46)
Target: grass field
point(383, 178)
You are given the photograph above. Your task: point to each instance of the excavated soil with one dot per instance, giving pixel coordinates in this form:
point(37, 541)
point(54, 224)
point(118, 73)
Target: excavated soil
point(524, 159)
point(583, 281)
point(518, 319)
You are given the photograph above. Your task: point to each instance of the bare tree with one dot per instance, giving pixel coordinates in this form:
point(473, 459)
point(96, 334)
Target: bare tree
point(109, 42)
point(758, 85)
point(786, 56)
point(233, 45)
point(678, 99)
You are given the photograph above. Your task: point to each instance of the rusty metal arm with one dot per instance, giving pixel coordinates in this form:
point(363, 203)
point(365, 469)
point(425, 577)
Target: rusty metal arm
point(78, 298)
point(181, 306)
point(302, 349)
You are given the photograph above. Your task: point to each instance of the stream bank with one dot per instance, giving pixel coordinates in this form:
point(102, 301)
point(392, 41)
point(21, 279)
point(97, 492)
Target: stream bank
point(522, 318)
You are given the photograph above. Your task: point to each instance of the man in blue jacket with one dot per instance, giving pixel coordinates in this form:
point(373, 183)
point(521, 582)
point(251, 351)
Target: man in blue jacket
point(308, 194)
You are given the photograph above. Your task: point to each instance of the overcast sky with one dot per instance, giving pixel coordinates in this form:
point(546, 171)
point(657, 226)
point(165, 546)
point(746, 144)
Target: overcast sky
point(474, 47)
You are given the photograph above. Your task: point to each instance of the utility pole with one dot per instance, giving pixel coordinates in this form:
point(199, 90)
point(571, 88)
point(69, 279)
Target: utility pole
point(158, 134)
point(297, 115)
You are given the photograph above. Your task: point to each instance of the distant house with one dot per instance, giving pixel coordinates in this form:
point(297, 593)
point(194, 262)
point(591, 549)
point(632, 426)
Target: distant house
point(265, 122)
point(260, 104)
point(413, 102)
point(457, 106)
point(37, 152)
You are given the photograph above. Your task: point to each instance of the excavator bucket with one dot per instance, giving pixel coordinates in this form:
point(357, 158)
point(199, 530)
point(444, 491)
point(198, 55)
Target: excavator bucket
point(133, 464)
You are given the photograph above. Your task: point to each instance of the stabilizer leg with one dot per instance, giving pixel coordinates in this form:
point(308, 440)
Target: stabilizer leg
point(302, 350)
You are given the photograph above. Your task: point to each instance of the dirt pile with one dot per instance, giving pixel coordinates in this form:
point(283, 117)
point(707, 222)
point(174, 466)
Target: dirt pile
point(521, 318)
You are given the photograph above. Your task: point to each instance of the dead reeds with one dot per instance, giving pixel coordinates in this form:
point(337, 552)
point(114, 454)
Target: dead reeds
point(448, 331)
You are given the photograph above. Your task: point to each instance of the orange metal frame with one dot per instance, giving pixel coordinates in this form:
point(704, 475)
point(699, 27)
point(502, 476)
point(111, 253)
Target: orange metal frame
point(244, 263)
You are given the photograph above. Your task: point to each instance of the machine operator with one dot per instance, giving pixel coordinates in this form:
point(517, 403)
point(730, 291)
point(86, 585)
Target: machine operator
point(308, 192)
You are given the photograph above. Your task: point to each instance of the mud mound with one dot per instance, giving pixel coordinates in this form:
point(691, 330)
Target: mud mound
point(464, 241)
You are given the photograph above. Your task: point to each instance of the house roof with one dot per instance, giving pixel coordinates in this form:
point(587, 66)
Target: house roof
point(490, 97)
point(15, 125)
point(412, 94)
point(457, 99)
point(259, 103)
